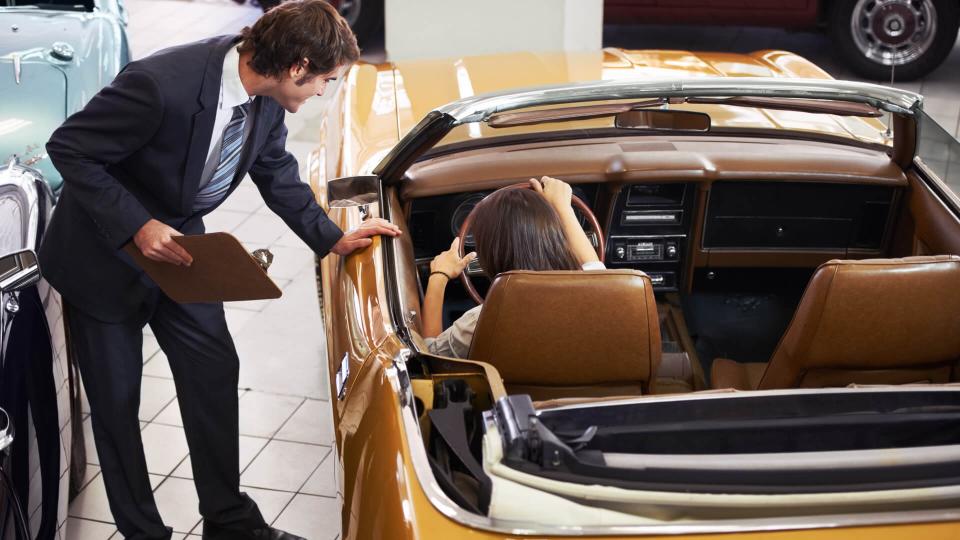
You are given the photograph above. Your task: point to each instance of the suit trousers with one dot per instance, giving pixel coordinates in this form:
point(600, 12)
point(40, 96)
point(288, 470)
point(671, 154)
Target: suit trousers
point(205, 369)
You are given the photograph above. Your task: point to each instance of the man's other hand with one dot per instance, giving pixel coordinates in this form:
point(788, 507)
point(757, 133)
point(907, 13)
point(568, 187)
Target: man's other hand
point(359, 238)
point(155, 240)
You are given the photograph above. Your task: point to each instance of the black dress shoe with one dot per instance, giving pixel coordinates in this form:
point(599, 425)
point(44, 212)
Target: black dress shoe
point(269, 533)
point(215, 532)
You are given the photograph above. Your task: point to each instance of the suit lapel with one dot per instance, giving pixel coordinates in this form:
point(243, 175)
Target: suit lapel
point(202, 128)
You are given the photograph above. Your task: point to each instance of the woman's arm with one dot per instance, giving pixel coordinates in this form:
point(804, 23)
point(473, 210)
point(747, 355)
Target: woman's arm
point(444, 267)
point(558, 194)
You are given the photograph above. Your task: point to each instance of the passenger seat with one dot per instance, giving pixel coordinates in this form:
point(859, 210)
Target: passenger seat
point(875, 321)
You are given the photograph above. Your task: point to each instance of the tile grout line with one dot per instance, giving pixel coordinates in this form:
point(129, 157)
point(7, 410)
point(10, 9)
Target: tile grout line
point(314, 471)
point(165, 405)
point(269, 440)
point(90, 481)
point(284, 509)
point(246, 218)
point(94, 520)
point(281, 394)
point(287, 421)
point(261, 437)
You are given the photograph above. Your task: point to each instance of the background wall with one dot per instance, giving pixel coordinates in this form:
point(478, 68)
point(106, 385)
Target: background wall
point(452, 28)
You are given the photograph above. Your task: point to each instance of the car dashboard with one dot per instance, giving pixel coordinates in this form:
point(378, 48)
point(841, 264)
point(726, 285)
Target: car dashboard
point(673, 230)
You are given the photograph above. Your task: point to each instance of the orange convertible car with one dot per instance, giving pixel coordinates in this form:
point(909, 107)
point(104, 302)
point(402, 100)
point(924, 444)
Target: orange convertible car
point(771, 353)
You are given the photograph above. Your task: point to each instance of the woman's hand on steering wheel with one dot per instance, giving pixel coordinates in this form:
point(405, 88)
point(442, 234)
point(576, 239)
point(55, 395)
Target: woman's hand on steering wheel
point(450, 263)
point(557, 192)
point(560, 196)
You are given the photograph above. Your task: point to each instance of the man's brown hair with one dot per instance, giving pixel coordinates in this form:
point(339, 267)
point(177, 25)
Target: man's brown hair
point(517, 229)
point(287, 34)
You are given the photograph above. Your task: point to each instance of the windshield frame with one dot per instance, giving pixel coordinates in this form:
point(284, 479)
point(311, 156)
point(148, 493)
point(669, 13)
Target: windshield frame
point(436, 124)
point(480, 108)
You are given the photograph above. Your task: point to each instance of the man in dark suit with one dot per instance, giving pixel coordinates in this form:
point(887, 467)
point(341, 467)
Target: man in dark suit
point(144, 161)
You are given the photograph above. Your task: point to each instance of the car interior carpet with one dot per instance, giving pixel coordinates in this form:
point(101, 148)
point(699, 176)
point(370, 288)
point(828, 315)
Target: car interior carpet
point(745, 327)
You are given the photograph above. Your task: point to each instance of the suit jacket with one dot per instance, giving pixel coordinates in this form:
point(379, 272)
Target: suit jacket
point(136, 152)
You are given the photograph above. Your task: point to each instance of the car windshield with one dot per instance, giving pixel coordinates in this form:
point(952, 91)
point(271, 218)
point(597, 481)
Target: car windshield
point(741, 115)
point(65, 5)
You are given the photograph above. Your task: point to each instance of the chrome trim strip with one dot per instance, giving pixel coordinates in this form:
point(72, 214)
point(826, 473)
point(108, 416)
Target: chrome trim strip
point(17, 68)
point(635, 218)
point(451, 510)
point(734, 394)
point(633, 236)
point(25, 179)
point(481, 107)
point(343, 375)
point(941, 185)
point(881, 458)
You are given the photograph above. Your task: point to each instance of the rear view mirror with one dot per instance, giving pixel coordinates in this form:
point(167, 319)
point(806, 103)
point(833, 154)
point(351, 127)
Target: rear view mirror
point(663, 120)
point(18, 270)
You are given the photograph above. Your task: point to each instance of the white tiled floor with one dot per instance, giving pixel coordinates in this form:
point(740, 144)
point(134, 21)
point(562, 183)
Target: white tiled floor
point(285, 442)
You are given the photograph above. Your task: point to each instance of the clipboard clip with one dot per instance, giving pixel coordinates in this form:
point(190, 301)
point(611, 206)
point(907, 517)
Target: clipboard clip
point(263, 257)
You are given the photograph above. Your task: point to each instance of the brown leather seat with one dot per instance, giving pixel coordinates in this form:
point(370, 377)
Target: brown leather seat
point(875, 321)
point(571, 333)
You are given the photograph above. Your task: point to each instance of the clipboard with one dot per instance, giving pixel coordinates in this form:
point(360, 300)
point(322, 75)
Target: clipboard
point(222, 271)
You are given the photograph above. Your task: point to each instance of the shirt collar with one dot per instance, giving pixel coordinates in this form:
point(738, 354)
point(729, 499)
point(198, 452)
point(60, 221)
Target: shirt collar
point(232, 91)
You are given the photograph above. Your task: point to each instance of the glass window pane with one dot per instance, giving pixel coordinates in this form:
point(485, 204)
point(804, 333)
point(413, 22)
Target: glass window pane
point(940, 152)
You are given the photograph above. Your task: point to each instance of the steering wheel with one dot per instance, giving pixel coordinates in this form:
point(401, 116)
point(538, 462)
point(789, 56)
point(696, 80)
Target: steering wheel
point(575, 201)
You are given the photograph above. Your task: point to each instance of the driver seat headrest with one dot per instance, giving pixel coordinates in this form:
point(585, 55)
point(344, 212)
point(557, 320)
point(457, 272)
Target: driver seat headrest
point(570, 333)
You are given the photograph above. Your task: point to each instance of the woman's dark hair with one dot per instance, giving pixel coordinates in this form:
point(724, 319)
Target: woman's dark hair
point(517, 229)
point(299, 29)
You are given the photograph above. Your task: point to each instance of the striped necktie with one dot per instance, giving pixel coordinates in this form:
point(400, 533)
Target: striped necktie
point(230, 149)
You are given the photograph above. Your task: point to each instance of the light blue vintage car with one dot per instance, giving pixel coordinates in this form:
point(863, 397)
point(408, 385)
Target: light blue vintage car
point(53, 58)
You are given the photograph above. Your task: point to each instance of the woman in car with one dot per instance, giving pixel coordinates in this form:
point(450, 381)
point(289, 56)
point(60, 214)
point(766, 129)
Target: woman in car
point(514, 229)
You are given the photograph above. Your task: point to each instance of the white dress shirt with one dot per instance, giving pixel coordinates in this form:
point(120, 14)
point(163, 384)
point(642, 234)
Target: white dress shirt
point(232, 93)
point(455, 341)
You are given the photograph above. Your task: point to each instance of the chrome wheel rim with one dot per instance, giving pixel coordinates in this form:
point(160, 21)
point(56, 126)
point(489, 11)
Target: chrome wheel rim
point(350, 10)
point(893, 32)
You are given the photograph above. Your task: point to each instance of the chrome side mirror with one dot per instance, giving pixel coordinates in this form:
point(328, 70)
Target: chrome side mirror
point(352, 191)
point(18, 270)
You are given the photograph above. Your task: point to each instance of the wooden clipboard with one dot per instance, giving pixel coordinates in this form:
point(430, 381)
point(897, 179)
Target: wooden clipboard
point(222, 271)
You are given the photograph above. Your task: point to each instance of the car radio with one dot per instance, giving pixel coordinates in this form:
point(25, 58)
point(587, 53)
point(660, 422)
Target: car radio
point(644, 249)
point(648, 231)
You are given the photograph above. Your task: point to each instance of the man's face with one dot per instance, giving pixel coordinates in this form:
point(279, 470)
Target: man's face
point(297, 87)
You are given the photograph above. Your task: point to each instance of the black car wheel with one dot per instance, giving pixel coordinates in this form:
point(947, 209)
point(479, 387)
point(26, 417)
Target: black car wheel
point(364, 16)
point(910, 37)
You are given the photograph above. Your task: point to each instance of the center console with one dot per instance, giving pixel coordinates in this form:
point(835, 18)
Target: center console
point(649, 231)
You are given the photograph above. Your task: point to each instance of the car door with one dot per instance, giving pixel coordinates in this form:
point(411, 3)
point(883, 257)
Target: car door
point(35, 391)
